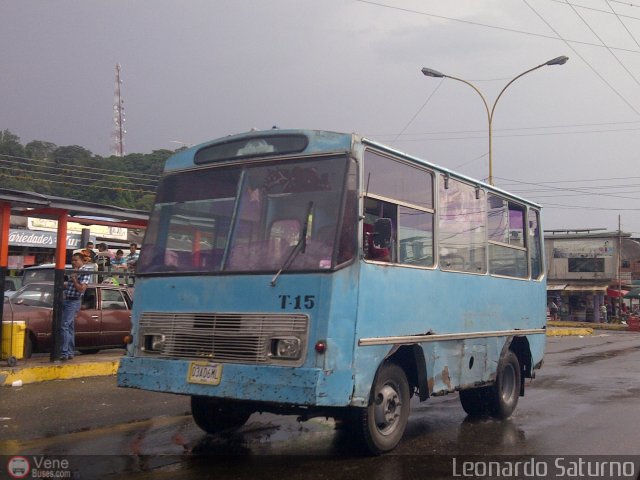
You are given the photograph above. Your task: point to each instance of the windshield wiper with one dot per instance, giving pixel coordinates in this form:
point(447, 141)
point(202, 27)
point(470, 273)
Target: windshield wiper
point(301, 246)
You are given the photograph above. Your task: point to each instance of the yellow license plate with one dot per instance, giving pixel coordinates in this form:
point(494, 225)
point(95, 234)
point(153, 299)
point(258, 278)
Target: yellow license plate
point(205, 373)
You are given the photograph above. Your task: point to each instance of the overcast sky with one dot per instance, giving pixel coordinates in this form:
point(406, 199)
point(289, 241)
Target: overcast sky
point(565, 136)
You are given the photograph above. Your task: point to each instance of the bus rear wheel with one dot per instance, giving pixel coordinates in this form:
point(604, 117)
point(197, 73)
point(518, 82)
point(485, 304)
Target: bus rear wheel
point(504, 394)
point(382, 423)
point(213, 415)
point(475, 401)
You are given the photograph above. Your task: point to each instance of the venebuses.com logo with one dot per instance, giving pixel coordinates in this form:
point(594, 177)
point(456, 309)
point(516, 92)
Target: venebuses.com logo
point(38, 467)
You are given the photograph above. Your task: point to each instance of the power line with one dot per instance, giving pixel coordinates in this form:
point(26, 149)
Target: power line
point(480, 24)
point(69, 184)
point(584, 7)
point(540, 134)
point(623, 24)
point(582, 58)
point(572, 181)
point(540, 127)
point(578, 207)
point(40, 175)
point(605, 45)
point(84, 169)
point(79, 173)
point(628, 4)
point(563, 189)
point(418, 112)
point(471, 161)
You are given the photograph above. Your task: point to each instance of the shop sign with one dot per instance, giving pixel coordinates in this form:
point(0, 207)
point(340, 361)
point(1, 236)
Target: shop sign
point(583, 248)
point(104, 231)
point(28, 238)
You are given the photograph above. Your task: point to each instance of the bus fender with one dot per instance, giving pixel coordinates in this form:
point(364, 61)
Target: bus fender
point(520, 346)
point(411, 359)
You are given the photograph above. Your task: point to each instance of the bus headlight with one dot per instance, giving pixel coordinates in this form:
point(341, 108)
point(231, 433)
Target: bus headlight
point(153, 342)
point(286, 348)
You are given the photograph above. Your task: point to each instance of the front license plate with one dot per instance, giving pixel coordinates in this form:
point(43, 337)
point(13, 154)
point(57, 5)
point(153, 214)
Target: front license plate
point(205, 373)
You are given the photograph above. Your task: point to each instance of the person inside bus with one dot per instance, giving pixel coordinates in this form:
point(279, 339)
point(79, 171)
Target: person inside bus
point(374, 210)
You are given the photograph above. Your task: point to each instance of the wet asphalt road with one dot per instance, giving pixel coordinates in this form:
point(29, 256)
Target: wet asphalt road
point(584, 401)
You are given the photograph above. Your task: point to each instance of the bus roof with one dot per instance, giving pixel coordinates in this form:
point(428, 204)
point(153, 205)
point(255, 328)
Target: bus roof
point(298, 142)
point(316, 141)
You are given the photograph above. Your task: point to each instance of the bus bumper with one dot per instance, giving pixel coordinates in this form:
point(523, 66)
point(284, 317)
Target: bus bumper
point(273, 384)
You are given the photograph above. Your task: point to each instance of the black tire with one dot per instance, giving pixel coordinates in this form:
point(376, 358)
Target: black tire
point(380, 426)
point(213, 415)
point(504, 394)
point(475, 401)
point(89, 351)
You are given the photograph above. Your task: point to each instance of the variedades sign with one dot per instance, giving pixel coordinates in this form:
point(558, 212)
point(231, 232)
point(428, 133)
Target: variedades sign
point(29, 238)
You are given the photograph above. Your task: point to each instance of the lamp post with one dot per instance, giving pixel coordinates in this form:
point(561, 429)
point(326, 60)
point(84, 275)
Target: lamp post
point(434, 73)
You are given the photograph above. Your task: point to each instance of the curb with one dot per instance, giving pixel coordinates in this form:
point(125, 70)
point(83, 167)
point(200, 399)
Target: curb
point(23, 375)
point(596, 326)
point(564, 332)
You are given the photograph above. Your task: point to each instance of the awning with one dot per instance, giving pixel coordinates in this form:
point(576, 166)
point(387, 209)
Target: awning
point(587, 288)
point(556, 287)
point(635, 293)
point(616, 293)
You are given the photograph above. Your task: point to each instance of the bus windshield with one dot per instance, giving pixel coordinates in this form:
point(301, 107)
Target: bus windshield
point(248, 218)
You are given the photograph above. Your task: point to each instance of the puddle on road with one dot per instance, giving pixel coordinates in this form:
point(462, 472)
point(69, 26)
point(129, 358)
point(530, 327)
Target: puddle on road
point(595, 357)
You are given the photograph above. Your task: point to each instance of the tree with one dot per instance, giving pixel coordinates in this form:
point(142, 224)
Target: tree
point(73, 154)
point(10, 144)
point(74, 172)
point(39, 150)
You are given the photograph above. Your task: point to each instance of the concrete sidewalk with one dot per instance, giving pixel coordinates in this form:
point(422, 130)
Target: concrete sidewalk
point(562, 328)
point(39, 368)
point(596, 326)
point(567, 331)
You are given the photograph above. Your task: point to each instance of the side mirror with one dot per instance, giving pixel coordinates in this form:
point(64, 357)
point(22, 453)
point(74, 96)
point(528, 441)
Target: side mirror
point(382, 233)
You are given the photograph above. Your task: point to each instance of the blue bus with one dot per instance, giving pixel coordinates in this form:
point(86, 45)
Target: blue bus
point(324, 274)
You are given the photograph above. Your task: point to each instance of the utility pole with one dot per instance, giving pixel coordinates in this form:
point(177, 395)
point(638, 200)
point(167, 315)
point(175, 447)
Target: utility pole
point(117, 135)
point(619, 268)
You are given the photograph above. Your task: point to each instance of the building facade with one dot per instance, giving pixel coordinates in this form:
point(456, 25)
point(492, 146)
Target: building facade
point(588, 269)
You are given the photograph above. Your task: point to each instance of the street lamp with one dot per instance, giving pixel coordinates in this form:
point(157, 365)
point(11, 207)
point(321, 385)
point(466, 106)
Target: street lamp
point(434, 73)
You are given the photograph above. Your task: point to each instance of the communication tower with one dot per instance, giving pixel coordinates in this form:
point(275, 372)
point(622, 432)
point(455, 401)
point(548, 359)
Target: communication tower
point(118, 133)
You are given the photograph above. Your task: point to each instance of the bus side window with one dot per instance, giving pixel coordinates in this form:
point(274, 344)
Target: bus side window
point(375, 211)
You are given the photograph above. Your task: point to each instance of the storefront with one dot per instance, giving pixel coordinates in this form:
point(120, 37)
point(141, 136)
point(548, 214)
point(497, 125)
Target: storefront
point(35, 243)
point(578, 302)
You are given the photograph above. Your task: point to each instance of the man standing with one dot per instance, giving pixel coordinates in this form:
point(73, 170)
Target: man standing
point(132, 261)
point(103, 259)
point(88, 250)
point(73, 291)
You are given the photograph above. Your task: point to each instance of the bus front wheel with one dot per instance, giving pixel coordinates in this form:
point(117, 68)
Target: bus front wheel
point(213, 415)
point(504, 394)
point(381, 424)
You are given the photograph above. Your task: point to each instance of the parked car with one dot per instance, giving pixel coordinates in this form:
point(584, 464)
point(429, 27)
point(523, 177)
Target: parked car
point(11, 285)
point(41, 273)
point(103, 321)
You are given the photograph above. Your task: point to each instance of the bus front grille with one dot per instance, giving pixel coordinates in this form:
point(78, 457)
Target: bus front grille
point(230, 337)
